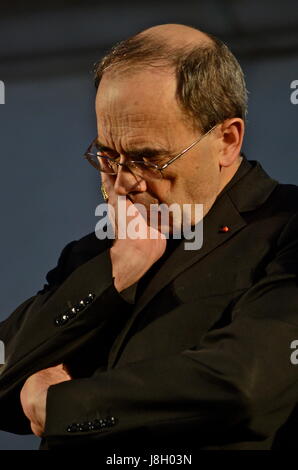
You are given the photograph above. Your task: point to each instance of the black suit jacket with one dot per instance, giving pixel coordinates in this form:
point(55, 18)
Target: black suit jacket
point(202, 358)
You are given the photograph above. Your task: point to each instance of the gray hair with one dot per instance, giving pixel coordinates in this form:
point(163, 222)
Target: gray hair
point(210, 81)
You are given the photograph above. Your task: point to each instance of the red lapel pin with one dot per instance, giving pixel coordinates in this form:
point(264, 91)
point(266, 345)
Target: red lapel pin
point(224, 229)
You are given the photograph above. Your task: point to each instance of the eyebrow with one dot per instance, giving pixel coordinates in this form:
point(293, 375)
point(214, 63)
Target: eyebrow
point(148, 151)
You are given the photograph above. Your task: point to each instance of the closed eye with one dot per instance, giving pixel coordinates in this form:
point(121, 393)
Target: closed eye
point(147, 155)
point(157, 160)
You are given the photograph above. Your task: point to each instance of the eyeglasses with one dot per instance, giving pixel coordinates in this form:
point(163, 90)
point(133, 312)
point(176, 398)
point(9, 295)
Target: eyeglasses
point(143, 168)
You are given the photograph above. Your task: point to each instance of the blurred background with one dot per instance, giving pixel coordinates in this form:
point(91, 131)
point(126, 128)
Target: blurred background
point(47, 51)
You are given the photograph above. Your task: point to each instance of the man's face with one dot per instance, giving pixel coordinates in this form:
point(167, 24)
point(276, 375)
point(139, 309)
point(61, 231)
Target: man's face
point(139, 111)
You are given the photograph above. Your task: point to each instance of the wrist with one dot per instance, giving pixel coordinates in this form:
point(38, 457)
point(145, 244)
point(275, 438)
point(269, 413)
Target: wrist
point(128, 266)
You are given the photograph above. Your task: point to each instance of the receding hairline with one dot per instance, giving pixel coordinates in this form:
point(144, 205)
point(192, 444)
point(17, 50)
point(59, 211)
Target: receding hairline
point(162, 51)
point(203, 65)
point(177, 35)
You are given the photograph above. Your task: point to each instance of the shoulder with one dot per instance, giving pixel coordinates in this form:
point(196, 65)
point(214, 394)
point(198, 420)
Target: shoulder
point(74, 254)
point(288, 194)
point(284, 201)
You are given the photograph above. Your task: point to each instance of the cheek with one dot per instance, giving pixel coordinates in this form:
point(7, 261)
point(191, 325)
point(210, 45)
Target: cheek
point(203, 170)
point(161, 189)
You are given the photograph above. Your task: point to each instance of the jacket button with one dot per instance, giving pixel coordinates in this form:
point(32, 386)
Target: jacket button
point(100, 423)
point(112, 421)
point(84, 427)
point(90, 426)
point(62, 319)
point(72, 428)
point(72, 312)
point(89, 299)
point(79, 307)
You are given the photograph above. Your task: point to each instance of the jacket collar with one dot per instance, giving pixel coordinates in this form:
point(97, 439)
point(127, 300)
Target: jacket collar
point(250, 186)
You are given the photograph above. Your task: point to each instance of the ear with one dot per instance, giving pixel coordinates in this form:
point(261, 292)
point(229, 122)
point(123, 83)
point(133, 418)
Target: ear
point(231, 138)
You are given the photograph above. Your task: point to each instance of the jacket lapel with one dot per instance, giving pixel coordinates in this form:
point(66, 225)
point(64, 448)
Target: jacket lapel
point(248, 189)
point(224, 214)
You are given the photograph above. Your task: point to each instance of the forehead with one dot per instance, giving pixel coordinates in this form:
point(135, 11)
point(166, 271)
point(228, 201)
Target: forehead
point(143, 100)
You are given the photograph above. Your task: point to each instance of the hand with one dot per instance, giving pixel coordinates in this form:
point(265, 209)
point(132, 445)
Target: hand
point(34, 395)
point(131, 258)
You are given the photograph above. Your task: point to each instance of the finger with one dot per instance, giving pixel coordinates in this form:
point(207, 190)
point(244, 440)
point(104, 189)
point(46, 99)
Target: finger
point(36, 429)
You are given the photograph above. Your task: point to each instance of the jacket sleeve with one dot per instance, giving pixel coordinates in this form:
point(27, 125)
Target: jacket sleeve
point(70, 312)
point(238, 383)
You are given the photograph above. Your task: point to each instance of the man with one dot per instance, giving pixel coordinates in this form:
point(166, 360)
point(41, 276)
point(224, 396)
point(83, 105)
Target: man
point(139, 341)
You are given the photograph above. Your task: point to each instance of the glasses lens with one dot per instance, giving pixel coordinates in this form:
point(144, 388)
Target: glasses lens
point(140, 169)
point(144, 170)
point(106, 164)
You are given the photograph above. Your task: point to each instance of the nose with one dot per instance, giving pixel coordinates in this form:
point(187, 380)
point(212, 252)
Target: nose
point(127, 182)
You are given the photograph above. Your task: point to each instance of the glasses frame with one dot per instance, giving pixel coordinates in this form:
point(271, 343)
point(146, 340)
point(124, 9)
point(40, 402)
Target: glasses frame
point(88, 155)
